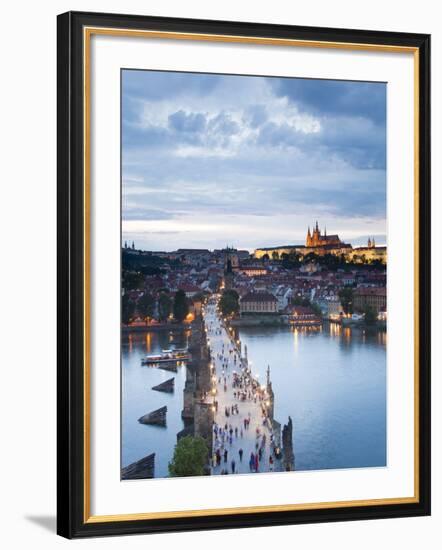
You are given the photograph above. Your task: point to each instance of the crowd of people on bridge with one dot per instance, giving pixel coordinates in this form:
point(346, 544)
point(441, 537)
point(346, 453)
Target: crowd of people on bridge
point(233, 440)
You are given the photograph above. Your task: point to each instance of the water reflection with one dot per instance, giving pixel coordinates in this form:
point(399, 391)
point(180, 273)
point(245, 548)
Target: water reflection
point(296, 341)
point(148, 342)
point(333, 385)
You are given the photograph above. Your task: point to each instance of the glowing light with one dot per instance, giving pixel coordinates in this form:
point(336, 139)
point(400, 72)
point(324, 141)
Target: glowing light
point(148, 341)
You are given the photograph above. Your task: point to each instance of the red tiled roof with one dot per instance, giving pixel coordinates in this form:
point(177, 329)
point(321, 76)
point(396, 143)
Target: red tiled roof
point(371, 291)
point(258, 297)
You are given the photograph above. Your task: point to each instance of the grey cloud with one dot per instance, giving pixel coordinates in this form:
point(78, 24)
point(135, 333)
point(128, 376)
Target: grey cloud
point(223, 124)
point(192, 122)
point(337, 97)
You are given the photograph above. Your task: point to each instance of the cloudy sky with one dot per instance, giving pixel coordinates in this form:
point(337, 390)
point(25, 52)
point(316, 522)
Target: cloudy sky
point(210, 160)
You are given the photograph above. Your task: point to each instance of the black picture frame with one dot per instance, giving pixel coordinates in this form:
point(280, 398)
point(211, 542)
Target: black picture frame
point(72, 521)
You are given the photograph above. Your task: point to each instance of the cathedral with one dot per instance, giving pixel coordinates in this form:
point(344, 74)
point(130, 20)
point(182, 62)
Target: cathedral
point(316, 238)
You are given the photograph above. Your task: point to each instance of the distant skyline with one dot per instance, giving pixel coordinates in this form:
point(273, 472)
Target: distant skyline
point(210, 160)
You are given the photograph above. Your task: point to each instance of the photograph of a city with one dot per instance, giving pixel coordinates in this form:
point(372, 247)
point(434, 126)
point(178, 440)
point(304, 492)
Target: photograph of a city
point(253, 275)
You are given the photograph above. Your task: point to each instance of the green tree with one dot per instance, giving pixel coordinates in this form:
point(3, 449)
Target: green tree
point(229, 302)
point(189, 458)
point(311, 257)
point(344, 264)
point(346, 297)
point(316, 309)
point(146, 305)
point(127, 309)
point(275, 255)
point(132, 280)
point(180, 306)
point(291, 261)
point(330, 261)
point(377, 264)
point(164, 306)
point(300, 301)
point(370, 314)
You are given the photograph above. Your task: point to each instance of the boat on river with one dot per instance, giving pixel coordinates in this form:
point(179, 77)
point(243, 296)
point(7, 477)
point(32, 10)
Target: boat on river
point(167, 356)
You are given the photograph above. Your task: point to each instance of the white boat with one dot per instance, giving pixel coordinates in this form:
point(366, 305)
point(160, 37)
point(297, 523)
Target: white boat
point(176, 356)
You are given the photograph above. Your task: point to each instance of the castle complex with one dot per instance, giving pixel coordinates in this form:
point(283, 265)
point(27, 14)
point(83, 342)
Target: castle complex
point(319, 243)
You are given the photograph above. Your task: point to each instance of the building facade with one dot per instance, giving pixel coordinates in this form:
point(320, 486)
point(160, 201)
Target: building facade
point(369, 253)
point(302, 316)
point(376, 298)
point(258, 303)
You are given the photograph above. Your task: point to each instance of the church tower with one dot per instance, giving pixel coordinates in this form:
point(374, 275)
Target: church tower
point(316, 235)
point(308, 241)
point(228, 273)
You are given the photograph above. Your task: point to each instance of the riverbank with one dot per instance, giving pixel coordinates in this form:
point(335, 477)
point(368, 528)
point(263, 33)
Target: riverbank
point(260, 321)
point(125, 329)
point(360, 323)
point(282, 321)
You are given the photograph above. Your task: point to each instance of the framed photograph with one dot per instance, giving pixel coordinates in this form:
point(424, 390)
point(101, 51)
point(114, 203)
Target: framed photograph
point(243, 274)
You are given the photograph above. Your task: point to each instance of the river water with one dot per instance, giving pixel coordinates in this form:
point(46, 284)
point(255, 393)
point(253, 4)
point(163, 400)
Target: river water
point(138, 398)
point(332, 382)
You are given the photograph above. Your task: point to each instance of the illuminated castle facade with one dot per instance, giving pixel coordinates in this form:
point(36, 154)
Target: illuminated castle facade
point(318, 239)
point(320, 243)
